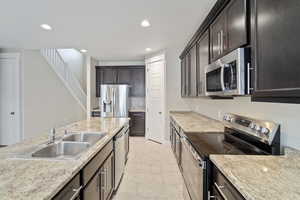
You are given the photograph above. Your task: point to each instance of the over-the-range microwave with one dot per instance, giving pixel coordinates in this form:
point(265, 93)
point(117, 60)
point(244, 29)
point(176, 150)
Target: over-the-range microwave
point(229, 75)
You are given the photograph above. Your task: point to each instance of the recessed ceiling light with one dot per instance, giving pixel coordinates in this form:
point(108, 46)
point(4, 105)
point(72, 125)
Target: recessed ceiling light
point(46, 27)
point(83, 50)
point(145, 23)
point(148, 49)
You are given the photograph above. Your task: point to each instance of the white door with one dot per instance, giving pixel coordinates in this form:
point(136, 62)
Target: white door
point(9, 99)
point(155, 121)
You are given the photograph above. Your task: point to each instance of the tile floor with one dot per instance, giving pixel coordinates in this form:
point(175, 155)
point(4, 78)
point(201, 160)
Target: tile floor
point(151, 173)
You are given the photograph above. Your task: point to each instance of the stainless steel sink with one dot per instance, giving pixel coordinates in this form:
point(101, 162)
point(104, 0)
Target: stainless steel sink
point(61, 149)
point(91, 138)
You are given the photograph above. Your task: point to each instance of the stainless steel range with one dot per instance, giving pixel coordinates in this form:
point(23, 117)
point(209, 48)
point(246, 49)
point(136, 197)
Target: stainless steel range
point(241, 136)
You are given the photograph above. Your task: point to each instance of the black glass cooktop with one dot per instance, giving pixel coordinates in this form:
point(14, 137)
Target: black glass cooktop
point(223, 143)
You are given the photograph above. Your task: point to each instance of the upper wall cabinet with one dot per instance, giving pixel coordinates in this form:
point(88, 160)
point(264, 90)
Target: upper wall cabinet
point(186, 75)
point(133, 76)
point(229, 29)
point(193, 72)
point(202, 62)
point(275, 56)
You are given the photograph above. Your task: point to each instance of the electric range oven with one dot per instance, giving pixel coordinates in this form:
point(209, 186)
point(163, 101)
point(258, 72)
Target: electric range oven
point(241, 136)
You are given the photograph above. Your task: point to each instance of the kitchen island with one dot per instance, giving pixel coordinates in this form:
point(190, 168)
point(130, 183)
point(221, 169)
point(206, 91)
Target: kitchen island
point(34, 178)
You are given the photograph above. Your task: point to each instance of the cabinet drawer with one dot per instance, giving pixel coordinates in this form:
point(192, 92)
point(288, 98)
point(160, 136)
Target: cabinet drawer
point(224, 187)
point(91, 168)
point(71, 190)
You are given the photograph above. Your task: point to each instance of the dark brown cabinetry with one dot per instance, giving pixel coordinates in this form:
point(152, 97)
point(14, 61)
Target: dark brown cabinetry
point(193, 72)
point(275, 59)
point(131, 75)
point(218, 36)
point(222, 189)
point(71, 190)
point(202, 62)
point(97, 175)
point(137, 123)
point(229, 29)
point(186, 82)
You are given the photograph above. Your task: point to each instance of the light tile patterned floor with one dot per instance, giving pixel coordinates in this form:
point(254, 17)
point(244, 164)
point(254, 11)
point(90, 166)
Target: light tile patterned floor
point(151, 173)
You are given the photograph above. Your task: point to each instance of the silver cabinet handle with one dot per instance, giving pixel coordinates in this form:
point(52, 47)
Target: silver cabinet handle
point(219, 188)
point(249, 68)
point(76, 193)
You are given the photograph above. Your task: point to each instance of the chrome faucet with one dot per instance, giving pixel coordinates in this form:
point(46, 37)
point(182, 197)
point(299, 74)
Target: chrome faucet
point(52, 136)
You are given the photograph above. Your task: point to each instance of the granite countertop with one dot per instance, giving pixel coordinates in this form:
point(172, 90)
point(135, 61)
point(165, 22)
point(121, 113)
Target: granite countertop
point(41, 178)
point(137, 110)
point(192, 122)
point(263, 177)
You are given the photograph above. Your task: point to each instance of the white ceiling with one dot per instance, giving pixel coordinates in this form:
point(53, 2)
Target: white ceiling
point(110, 29)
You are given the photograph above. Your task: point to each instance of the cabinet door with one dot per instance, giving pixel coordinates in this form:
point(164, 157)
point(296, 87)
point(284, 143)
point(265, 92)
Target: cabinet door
point(108, 75)
point(107, 178)
point(183, 77)
point(236, 24)
point(193, 72)
point(70, 190)
point(137, 82)
point(202, 62)
point(218, 37)
point(124, 76)
point(276, 58)
point(187, 74)
point(92, 190)
point(137, 123)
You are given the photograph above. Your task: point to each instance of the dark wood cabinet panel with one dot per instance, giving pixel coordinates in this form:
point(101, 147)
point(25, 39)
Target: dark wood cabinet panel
point(187, 73)
point(229, 30)
point(223, 188)
point(183, 94)
point(92, 190)
point(137, 82)
point(275, 59)
point(218, 36)
point(107, 176)
point(193, 72)
point(124, 76)
point(202, 62)
point(137, 123)
point(72, 188)
point(236, 13)
point(131, 75)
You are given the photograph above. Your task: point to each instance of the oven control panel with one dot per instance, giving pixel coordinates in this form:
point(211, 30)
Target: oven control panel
point(262, 129)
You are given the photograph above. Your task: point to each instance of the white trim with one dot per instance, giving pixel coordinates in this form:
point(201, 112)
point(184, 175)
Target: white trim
point(148, 60)
point(20, 89)
point(121, 63)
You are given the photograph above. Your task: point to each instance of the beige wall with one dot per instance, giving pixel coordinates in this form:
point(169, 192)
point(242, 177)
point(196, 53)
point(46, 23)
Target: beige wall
point(288, 115)
point(47, 103)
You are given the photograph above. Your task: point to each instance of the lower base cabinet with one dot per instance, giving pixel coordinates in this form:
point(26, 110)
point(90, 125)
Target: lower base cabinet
point(71, 191)
point(101, 185)
point(137, 123)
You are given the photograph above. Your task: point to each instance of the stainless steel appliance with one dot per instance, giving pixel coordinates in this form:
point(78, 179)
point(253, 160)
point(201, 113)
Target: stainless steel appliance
point(229, 76)
point(114, 100)
point(241, 136)
point(120, 147)
point(193, 169)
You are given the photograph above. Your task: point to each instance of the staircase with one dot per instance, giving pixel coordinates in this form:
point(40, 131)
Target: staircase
point(66, 75)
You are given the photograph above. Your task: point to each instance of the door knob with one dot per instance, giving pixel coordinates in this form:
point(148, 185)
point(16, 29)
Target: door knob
point(12, 113)
point(159, 113)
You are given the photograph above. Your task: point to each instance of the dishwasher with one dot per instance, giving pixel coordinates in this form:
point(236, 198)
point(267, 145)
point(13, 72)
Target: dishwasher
point(120, 154)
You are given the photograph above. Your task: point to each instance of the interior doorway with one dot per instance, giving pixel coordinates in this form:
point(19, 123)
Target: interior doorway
point(10, 98)
point(155, 98)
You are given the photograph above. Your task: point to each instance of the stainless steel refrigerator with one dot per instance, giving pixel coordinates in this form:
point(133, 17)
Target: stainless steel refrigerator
point(114, 100)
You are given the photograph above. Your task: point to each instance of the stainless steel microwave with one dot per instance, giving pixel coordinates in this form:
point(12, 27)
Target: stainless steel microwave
point(228, 76)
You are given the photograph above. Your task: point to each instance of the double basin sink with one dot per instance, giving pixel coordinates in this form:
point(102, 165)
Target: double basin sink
point(69, 146)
